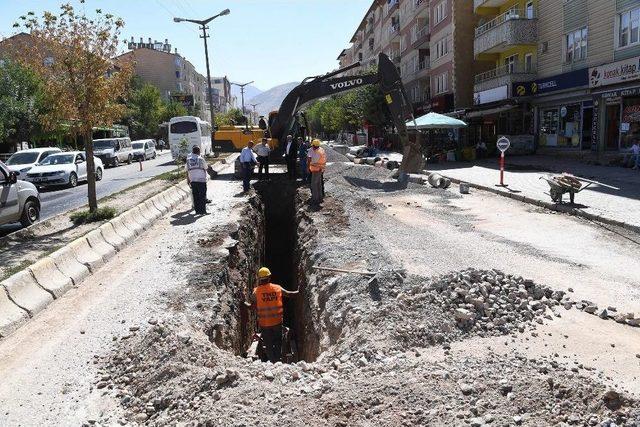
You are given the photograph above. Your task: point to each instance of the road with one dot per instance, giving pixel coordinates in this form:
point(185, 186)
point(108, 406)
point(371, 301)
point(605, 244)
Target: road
point(58, 200)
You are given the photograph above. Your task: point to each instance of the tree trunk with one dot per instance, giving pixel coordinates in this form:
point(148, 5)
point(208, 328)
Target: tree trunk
point(91, 173)
point(412, 160)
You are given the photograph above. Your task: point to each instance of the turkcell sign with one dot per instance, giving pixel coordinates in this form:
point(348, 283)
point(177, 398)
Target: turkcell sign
point(346, 84)
point(570, 80)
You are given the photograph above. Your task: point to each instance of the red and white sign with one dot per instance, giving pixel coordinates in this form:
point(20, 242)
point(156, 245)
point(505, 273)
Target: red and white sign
point(616, 72)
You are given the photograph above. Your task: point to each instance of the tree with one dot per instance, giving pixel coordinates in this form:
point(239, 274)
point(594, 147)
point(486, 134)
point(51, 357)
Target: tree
point(145, 111)
point(72, 53)
point(173, 109)
point(232, 117)
point(21, 102)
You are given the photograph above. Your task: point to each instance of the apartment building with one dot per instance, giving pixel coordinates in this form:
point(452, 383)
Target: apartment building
point(430, 41)
point(171, 73)
point(221, 95)
point(566, 74)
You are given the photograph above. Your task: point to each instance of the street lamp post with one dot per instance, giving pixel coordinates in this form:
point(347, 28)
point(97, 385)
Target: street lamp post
point(242, 86)
point(205, 36)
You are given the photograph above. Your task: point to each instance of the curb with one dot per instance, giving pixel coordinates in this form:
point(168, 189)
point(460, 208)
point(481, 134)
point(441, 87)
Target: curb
point(29, 291)
point(551, 206)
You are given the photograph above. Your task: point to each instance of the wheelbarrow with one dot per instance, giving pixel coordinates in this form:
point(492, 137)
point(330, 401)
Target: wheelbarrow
point(565, 183)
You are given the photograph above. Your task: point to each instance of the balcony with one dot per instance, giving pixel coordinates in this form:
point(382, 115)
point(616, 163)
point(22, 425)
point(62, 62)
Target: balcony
point(514, 27)
point(392, 6)
point(487, 3)
point(421, 37)
point(394, 29)
point(419, 4)
point(505, 75)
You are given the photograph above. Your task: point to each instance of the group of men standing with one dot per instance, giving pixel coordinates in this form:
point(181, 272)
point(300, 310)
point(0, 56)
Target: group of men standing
point(312, 159)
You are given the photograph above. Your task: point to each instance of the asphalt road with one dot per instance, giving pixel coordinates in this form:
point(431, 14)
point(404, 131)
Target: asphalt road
point(57, 200)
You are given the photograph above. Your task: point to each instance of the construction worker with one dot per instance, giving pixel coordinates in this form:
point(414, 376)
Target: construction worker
point(196, 167)
point(267, 297)
point(317, 165)
point(247, 163)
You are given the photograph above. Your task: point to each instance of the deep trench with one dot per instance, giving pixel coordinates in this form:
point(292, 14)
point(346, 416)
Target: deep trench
point(279, 252)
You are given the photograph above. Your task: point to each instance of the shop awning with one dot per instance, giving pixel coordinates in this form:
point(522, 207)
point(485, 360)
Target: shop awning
point(435, 121)
point(490, 111)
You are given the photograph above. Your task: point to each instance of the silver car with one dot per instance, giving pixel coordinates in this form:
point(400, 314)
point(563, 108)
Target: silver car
point(19, 200)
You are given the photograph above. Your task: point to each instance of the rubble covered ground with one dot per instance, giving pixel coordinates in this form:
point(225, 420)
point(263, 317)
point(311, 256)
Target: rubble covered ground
point(452, 341)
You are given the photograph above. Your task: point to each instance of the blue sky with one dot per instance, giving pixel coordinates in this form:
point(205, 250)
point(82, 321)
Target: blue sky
point(269, 41)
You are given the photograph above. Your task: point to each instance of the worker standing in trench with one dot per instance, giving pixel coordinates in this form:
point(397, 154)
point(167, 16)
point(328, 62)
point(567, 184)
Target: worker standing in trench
point(317, 165)
point(267, 297)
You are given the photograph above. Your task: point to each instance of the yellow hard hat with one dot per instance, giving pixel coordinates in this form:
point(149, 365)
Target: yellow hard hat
point(264, 272)
point(315, 143)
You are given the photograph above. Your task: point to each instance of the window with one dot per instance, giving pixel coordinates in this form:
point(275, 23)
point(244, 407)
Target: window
point(510, 63)
point(440, 12)
point(442, 47)
point(528, 63)
point(629, 28)
point(576, 45)
point(184, 127)
point(442, 83)
point(529, 10)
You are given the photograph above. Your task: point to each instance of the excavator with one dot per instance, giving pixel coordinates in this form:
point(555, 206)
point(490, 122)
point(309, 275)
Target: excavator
point(287, 120)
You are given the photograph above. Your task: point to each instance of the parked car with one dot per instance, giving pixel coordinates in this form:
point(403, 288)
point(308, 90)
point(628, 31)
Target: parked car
point(67, 168)
point(22, 161)
point(113, 151)
point(144, 149)
point(19, 200)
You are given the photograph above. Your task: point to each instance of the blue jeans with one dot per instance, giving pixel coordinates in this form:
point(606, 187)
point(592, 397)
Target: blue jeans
point(247, 168)
point(636, 163)
point(304, 169)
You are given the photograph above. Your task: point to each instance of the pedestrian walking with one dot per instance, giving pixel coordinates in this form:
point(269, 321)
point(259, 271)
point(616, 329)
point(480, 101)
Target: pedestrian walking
point(196, 167)
point(290, 156)
point(317, 164)
point(303, 152)
point(263, 150)
point(635, 154)
point(247, 163)
point(267, 299)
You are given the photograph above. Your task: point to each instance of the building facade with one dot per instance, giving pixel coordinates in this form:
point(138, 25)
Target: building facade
point(222, 98)
point(171, 73)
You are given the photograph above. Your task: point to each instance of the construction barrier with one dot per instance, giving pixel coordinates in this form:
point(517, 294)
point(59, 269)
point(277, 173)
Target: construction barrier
point(85, 254)
point(100, 245)
point(23, 290)
point(11, 316)
point(50, 277)
point(121, 230)
point(112, 237)
point(160, 204)
point(131, 221)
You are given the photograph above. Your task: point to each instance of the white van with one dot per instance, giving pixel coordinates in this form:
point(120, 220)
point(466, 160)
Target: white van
point(186, 132)
point(19, 200)
point(144, 149)
point(113, 151)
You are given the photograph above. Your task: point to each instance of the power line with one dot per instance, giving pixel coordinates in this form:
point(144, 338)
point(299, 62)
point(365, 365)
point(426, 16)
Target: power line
point(172, 15)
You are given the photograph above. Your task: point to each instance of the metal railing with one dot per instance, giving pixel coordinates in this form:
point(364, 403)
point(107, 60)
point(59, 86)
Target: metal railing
point(394, 28)
point(505, 70)
point(506, 16)
point(418, 3)
point(391, 5)
point(422, 32)
point(422, 65)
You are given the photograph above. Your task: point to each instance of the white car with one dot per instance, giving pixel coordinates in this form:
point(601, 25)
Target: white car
point(22, 161)
point(19, 200)
point(144, 149)
point(66, 168)
point(113, 151)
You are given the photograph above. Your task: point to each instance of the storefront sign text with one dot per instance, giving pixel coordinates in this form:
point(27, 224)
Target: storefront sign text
point(564, 81)
point(490, 95)
point(616, 72)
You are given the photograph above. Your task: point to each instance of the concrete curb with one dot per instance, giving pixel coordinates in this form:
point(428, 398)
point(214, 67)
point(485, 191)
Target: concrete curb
point(28, 292)
point(549, 205)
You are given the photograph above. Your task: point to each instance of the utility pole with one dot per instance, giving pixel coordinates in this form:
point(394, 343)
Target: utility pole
point(255, 114)
point(242, 86)
point(203, 26)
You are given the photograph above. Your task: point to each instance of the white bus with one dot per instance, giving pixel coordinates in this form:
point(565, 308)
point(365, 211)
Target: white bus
point(185, 133)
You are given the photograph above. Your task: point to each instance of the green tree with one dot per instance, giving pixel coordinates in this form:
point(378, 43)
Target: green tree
point(145, 111)
point(232, 117)
point(173, 109)
point(21, 102)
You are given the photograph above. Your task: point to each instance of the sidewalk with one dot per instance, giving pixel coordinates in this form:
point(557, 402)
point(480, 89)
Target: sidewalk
point(615, 198)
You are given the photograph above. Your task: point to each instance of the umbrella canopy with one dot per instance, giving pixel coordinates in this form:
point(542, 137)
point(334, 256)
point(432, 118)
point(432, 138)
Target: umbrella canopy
point(435, 121)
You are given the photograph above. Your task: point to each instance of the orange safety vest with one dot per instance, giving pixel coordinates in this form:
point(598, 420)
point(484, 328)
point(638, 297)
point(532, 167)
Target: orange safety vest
point(317, 160)
point(269, 304)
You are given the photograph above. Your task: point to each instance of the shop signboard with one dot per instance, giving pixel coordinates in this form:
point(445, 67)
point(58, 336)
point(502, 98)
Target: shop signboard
point(185, 100)
point(615, 72)
point(490, 95)
point(570, 80)
point(595, 123)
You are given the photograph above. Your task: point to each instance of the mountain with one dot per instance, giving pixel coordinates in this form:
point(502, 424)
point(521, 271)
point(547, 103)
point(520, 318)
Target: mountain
point(249, 92)
point(271, 99)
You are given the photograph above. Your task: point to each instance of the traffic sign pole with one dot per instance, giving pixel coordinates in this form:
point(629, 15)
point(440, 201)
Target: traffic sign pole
point(502, 169)
point(503, 145)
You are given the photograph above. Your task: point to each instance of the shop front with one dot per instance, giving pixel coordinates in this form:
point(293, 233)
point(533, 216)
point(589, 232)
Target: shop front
point(616, 89)
point(563, 110)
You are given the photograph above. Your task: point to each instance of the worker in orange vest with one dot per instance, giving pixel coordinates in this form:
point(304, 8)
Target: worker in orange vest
point(317, 164)
point(267, 297)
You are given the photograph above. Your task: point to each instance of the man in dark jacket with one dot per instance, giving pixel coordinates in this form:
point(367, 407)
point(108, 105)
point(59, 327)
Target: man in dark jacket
point(290, 155)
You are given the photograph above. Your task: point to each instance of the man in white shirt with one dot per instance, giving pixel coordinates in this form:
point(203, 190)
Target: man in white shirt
point(263, 150)
point(635, 154)
point(247, 162)
point(196, 168)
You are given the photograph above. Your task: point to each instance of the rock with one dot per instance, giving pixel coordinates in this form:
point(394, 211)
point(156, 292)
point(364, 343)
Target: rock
point(505, 387)
point(466, 389)
point(604, 314)
point(141, 417)
point(592, 308)
point(633, 322)
point(134, 328)
point(221, 379)
point(476, 422)
point(269, 375)
point(463, 315)
point(152, 321)
point(612, 400)
point(517, 418)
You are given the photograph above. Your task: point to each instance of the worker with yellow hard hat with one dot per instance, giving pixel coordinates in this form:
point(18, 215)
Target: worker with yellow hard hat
point(317, 163)
point(267, 298)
